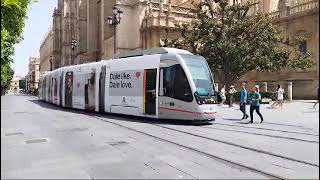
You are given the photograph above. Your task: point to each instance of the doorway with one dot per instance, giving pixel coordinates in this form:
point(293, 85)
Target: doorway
point(150, 93)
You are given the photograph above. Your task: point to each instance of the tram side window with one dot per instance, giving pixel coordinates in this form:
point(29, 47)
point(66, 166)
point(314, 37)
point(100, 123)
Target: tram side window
point(175, 83)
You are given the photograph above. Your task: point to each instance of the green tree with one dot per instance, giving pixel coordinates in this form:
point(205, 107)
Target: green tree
point(13, 16)
point(234, 42)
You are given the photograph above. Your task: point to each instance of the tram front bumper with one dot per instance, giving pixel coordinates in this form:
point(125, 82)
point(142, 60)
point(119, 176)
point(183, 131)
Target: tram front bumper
point(207, 112)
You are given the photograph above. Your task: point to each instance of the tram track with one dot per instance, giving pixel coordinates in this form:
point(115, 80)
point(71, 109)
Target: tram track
point(261, 128)
point(268, 172)
point(241, 146)
point(270, 175)
point(272, 123)
point(248, 167)
point(261, 134)
point(288, 125)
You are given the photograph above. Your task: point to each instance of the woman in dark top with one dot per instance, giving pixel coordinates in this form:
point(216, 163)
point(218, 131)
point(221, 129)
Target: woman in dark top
point(255, 104)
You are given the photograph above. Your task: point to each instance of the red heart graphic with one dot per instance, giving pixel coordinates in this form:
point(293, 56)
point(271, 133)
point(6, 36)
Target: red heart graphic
point(137, 74)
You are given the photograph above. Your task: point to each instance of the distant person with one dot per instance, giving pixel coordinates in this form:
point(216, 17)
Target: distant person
point(255, 104)
point(279, 93)
point(223, 94)
point(314, 106)
point(232, 91)
point(243, 101)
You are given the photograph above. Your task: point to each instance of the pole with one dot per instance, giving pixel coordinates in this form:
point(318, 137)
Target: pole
point(265, 86)
point(114, 39)
point(290, 91)
point(72, 56)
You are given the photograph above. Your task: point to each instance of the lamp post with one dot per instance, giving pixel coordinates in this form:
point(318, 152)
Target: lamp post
point(74, 44)
point(114, 21)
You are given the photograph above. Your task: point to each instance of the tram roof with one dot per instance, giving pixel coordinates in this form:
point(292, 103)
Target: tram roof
point(161, 50)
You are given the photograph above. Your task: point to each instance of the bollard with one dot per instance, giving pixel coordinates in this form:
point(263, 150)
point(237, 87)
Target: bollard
point(289, 91)
point(265, 86)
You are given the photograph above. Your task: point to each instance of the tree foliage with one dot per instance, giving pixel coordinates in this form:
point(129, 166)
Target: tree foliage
point(13, 16)
point(234, 42)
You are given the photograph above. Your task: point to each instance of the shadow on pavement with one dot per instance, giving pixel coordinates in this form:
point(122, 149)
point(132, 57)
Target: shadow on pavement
point(248, 122)
point(120, 117)
point(230, 119)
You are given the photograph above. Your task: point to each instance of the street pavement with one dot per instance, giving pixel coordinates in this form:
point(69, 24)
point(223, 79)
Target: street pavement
point(41, 140)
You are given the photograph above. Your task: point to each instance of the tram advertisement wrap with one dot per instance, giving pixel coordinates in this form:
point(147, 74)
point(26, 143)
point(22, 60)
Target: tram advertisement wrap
point(68, 89)
point(89, 90)
point(126, 83)
point(55, 91)
point(102, 82)
point(78, 93)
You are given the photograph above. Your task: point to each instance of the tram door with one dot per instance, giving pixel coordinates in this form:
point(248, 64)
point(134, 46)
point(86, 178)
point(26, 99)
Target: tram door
point(150, 91)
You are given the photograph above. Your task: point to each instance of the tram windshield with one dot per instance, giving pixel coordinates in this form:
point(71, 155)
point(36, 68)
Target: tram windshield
point(200, 73)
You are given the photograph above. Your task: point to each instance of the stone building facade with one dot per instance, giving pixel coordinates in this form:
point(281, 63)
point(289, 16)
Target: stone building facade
point(46, 52)
point(85, 22)
point(14, 85)
point(146, 22)
point(33, 73)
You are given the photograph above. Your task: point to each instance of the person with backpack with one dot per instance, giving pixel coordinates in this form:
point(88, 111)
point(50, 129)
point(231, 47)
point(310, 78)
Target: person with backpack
point(243, 101)
point(255, 104)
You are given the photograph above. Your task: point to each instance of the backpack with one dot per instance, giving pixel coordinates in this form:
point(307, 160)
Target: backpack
point(249, 98)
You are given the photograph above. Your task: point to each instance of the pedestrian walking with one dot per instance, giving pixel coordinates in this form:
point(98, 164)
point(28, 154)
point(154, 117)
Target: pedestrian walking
point(255, 104)
point(314, 106)
point(279, 100)
point(232, 91)
point(223, 94)
point(243, 101)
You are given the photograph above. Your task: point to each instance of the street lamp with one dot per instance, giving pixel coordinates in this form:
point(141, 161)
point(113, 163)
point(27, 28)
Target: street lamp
point(114, 21)
point(74, 44)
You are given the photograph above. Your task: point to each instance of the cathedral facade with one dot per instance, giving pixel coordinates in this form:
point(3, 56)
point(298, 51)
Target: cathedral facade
point(85, 22)
point(81, 33)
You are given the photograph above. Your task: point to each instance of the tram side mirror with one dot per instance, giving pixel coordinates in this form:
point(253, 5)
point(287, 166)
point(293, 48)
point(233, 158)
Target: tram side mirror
point(198, 99)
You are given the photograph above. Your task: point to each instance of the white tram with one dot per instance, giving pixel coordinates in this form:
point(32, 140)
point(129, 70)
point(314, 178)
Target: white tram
point(164, 83)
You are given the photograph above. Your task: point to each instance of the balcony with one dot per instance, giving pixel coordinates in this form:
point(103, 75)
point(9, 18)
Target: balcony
point(308, 5)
